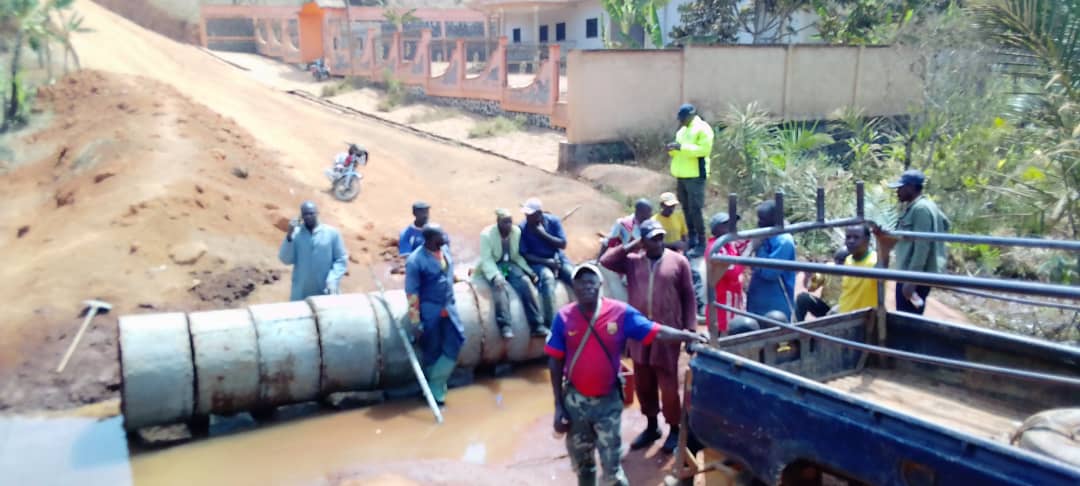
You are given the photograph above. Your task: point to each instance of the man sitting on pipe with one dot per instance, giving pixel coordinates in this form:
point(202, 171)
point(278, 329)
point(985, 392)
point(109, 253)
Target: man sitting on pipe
point(429, 286)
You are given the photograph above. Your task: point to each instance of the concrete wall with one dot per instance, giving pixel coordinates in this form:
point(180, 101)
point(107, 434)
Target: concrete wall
point(615, 92)
point(611, 92)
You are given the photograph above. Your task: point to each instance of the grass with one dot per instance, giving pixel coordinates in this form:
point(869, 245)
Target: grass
point(496, 126)
point(434, 115)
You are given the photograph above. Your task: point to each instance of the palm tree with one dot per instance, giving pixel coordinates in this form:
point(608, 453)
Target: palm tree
point(1039, 45)
point(31, 22)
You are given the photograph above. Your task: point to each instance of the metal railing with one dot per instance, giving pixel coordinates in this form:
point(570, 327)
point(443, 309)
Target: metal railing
point(946, 281)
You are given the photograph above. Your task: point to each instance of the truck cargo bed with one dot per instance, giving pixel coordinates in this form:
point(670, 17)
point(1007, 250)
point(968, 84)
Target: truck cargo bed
point(949, 406)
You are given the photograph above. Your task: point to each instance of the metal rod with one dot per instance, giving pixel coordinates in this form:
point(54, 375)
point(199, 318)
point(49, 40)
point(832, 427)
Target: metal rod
point(989, 240)
point(773, 230)
point(860, 200)
point(779, 199)
point(1018, 300)
point(919, 278)
point(922, 358)
point(820, 200)
point(733, 213)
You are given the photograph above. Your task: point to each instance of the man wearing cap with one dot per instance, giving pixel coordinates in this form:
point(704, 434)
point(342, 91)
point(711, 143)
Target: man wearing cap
point(658, 282)
point(587, 338)
point(429, 288)
point(674, 222)
point(626, 228)
point(771, 289)
point(502, 267)
point(917, 213)
point(690, 166)
point(542, 243)
point(726, 279)
point(412, 237)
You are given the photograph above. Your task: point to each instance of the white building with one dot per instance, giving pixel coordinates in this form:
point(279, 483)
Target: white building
point(582, 24)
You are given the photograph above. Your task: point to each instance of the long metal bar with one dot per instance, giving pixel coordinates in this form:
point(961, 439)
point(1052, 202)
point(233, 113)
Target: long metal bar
point(920, 278)
point(922, 358)
point(417, 369)
point(1068, 245)
point(1017, 300)
point(779, 230)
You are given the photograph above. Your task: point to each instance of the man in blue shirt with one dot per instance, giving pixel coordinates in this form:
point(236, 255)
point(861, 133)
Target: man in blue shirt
point(412, 237)
point(771, 289)
point(542, 243)
point(429, 287)
point(317, 254)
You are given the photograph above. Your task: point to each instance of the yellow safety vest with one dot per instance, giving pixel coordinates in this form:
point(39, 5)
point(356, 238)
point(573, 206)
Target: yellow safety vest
point(696, 140)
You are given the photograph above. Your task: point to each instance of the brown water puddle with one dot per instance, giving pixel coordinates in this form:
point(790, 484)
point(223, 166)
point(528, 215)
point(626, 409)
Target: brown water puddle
point(484, 426)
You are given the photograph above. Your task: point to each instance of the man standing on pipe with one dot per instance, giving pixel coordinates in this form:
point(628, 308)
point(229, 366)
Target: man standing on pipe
point(587, 388)
point(658, 282)
point(690, 166)
point(317, 254)
point(429, 286)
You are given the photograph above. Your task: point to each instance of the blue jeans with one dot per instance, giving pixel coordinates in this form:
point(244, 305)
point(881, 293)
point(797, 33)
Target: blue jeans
point(547, 285)
point(516, 279)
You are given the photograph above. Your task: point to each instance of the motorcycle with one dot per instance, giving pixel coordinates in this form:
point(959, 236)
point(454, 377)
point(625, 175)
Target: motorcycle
point(319, 70)
point(344, 178)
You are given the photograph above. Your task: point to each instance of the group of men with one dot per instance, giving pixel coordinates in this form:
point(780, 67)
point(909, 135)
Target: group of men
point(586, 339)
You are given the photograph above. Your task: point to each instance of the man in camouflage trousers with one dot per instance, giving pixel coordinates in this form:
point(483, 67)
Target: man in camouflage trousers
point(588, 403)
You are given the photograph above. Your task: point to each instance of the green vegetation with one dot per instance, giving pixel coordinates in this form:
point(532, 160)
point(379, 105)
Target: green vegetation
point(395, 94)
point(494, 127)
point(434, 115)
point(37, 25)
point(997, 132)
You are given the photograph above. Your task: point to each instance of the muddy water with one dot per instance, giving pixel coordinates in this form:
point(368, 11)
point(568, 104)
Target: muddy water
point(485, 425)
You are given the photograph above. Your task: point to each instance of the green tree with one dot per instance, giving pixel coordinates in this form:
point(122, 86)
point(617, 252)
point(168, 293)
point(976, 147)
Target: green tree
point(31, 23)
point(721, 21)
point(628, 13)
point(708, 22)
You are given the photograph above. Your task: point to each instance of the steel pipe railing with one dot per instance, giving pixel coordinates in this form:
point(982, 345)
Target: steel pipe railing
point(922, 358)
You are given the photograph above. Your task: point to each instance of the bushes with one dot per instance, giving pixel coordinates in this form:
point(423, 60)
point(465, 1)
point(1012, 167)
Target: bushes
point(494, 127)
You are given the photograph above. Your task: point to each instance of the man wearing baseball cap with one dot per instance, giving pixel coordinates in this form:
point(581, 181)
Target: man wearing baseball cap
point(412, 237)
point(587, 338)
point(542, 243)
point(658, 282)
point(917, 213)
point(690, 166)
point(726, 279)
point(674, 222)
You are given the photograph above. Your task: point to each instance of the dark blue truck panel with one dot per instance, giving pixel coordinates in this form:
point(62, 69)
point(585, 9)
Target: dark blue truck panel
point(760, 400)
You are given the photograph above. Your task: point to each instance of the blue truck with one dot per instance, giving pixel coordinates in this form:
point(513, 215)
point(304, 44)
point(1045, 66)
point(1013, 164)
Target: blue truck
point(883, 398)
point(793, 409)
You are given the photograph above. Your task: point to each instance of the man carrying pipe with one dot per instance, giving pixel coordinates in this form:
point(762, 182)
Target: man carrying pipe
point(658, 282)
point(771, 289)
point(594, 331)
point(317, 254)
point(429, 286)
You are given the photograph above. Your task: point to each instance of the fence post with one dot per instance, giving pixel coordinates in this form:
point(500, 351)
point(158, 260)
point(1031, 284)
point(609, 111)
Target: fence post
point(787, 82)
point(423, 54)
point(463, 64)
point(858, 77)
point(553, 69)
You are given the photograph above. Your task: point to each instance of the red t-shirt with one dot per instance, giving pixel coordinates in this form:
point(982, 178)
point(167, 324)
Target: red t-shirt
point(594, 373)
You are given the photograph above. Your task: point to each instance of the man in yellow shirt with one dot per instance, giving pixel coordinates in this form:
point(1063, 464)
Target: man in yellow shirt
point(673, 221)
point(858, 293)
point(690, 167)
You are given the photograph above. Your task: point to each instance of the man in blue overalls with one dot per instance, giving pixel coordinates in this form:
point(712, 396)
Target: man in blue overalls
point(429, 285)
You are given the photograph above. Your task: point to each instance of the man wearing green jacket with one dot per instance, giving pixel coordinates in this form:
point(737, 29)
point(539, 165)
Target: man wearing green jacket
point(502, 267)
point(917, 213)
point(690, 166)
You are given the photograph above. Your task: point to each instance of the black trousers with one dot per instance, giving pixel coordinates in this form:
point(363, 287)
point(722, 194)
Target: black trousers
point(903, 305)
point(807, 302)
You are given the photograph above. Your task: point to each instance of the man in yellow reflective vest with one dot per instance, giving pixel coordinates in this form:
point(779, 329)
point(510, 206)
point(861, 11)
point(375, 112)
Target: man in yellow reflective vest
point(690, 166)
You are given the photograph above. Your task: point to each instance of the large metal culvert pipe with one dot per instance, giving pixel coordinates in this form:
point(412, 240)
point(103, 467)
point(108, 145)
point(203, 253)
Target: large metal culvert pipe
point(290, 359)
point(158, 384)
point(224, 362)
